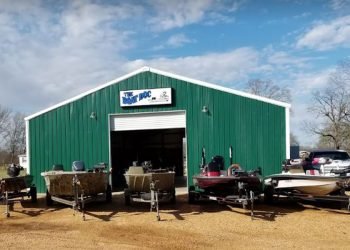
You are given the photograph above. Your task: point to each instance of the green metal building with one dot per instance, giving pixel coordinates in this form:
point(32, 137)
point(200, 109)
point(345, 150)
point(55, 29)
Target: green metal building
point(152, 115)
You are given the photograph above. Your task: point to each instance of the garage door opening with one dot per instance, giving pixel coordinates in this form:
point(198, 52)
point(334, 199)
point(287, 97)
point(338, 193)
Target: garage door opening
point(164, 148)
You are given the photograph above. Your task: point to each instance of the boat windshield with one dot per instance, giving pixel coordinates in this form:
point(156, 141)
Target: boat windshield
point(332, 155)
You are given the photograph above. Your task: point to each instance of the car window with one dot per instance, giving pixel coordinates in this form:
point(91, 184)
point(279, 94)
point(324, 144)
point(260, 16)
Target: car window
point(332, 155)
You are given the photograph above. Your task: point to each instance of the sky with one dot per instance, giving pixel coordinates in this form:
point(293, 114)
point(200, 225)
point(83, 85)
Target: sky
point(53, 50)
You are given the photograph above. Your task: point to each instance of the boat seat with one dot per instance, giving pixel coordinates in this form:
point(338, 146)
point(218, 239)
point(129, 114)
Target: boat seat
point(135, 170)
point(297, 170)
point(312, 172)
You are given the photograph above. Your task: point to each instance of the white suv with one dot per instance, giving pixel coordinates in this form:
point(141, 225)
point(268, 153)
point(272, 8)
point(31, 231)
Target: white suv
point(327, 161)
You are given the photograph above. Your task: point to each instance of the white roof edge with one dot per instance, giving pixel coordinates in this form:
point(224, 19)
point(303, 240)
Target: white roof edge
point(88, 92)
point(221, 88)
point(183, 78)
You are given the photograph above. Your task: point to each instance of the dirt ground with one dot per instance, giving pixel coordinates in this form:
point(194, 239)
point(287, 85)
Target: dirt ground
point(182, 226)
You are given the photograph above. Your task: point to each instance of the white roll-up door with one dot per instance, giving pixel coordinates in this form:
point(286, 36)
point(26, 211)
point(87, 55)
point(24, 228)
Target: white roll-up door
point(146, 121)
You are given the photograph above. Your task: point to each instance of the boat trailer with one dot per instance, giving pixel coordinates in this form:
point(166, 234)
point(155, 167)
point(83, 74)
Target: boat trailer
point(271, 196)
point(79, 198)
point(152, 198)
point(342, 196)
point(14, 189)
point(245, 199)
point(149, 186)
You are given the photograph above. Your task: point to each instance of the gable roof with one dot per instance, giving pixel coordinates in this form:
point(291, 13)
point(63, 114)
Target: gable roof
point(171, 75)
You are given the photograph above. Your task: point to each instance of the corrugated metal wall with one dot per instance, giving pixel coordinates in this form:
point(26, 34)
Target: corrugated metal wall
point(256, 130)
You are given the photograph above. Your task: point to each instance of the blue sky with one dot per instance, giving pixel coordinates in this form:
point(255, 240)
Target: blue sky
point(53, 50)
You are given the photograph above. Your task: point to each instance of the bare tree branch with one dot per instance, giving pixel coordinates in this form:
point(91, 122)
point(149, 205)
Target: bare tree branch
point(268, 89)
point(331, 107)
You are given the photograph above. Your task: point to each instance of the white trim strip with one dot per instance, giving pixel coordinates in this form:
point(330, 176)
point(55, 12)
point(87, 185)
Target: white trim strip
point(143, 69)
point(88, 92)
point(287, 133)
point(148, 121)
point(27, 146)
point(221, 88)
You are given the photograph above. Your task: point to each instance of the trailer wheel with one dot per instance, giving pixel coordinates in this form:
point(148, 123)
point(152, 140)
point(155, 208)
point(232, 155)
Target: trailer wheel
point(192, 196)
point(127, 197)
point(173, 197)
point(109, 194)
point(33, 194)
point(268, 194)
point(49, 200)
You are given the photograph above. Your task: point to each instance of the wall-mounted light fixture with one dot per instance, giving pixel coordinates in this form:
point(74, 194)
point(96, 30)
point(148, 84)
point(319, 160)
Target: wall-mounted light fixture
point(93, 115)
point(205, 109)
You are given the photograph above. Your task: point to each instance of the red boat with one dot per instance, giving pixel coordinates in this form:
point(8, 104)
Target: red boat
point(213, 180)
point(234, 186)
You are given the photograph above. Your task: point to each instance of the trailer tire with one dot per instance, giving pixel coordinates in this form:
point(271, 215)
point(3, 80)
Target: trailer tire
point(127, 197)
point(173, 197)
point(49, 200)
point(33, 194)
point(268, 194)
point(109, 194)
point(192, 196)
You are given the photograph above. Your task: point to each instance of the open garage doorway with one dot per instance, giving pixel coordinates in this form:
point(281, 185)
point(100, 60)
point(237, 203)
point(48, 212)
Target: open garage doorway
point(159, 138)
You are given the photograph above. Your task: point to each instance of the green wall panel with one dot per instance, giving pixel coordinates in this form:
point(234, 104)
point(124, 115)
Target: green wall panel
point(255, 129)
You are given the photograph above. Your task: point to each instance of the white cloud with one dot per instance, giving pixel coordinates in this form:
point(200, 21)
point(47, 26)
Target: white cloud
point(175, 41)
point(303, 85)
point(325, 36)
point(178, 40)
point(173, 14)
point(55, 55)
point(177, 14)
point(339, 5)
point(306, 83)
point(226, 67)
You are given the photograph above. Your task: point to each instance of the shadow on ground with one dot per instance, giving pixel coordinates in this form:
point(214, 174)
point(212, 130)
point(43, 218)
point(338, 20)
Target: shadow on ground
point(180, 211)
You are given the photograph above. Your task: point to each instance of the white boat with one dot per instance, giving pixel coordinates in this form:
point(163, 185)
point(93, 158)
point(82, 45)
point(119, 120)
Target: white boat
point(294, 179)
point(306, 184)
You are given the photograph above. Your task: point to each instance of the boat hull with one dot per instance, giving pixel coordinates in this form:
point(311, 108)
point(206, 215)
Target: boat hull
point(312, 185)
point(141, 182)
point(60, 183)
point(16, 183)
point(227, 184)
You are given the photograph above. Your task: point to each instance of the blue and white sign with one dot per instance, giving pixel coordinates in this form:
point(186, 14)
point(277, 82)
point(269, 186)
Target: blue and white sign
point(144, 97)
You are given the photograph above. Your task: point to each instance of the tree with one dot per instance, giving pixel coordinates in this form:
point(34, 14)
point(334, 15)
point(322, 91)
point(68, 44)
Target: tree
point(267, 88)
point(5, 114)
point(331, 108)
point(293, 139)
point(16, 136)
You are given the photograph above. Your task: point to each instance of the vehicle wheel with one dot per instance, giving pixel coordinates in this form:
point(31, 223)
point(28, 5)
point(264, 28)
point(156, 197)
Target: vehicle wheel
point(192, 196)
point(109, 193)
point(268, 194)
point(127, 197)
point(33, 194)
point(173, 197)
point(49, 201)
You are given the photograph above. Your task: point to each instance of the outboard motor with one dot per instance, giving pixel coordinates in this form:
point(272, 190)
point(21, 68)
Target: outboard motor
point(57, 167)
point(100, 167)
point(78, 166)
point(13, 170)
point(215, 165)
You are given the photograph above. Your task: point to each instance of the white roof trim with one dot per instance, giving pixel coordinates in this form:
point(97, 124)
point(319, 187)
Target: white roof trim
point(143, 69)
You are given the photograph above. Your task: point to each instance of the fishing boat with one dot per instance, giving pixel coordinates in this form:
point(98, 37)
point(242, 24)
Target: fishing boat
point(213, 180)
point(312, 182)
point(77, 187)
point(148, 185)
point(15, 187)
point(233, 186)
